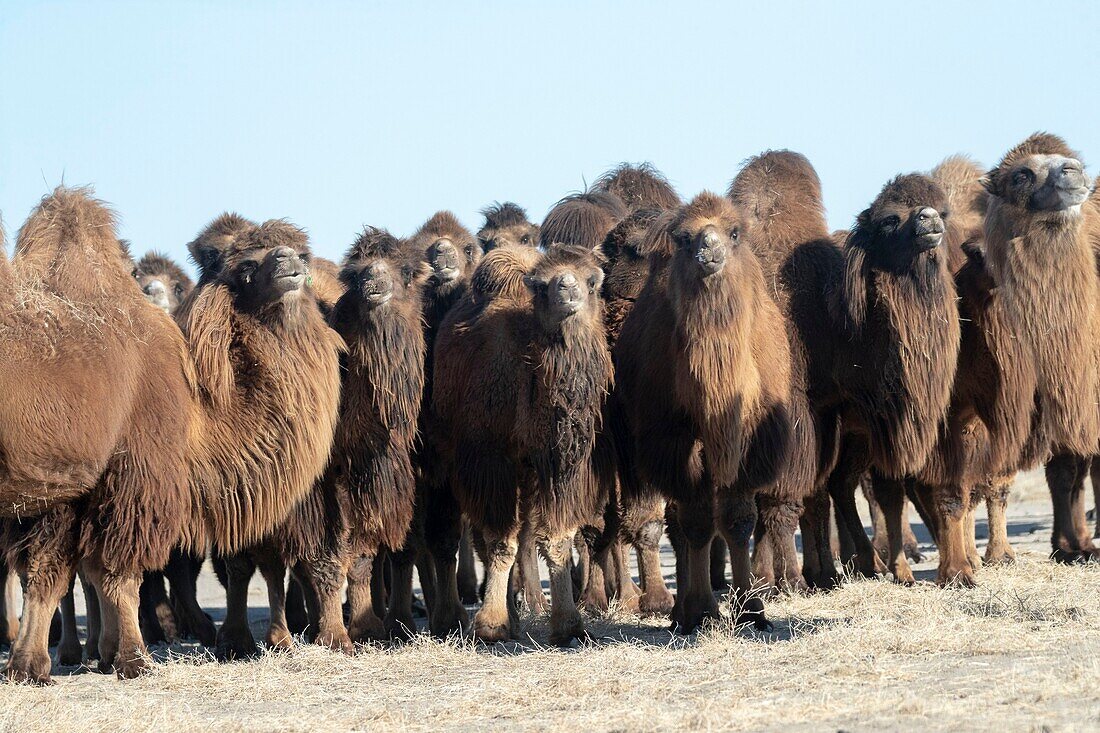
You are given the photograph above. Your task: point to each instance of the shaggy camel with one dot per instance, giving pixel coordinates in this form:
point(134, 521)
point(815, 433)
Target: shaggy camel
point(856, 317)
point(521, 372)
point(1042, 234)
point(506, 225)
point(704, 384)
point(453, 254)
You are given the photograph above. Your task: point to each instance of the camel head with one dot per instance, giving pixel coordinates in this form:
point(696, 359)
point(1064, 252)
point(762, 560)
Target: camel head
point(449, 249)
point(708, 236)
point(381, 271)
point(1040, 175)
point(565, 286)
point(905, 222)
point(506, 225)
point(266, 266)
point(162, 281)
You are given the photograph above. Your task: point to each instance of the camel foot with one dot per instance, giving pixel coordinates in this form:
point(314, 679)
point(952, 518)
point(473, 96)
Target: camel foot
point(999, 555)
point(594, 602)
point(758, 620)
point(337, 641)
point(135, 666)
point(490, 631)
point(961, 577)
point(565, 630)
point(656, 602)
point(695, 610)
point(278, 638)
point(235, 643)
point(368, 630)
point(913, 553)
point(448, 622)
point(400, 627)
point(29, 669)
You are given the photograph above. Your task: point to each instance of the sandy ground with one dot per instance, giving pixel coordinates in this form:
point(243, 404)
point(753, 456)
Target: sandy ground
point(1021, 652)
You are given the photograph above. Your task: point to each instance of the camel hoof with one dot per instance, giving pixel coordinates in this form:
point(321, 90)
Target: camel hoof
point(824, 581)
point(337, 642)
point(594, 604)
point(657, 602)
point(367, 632)
point(279, 639)
point(134, 667)
point(70, 654)
point(490, 633)
point(963, 578)
point(695, 612)
point(913, 554)
point(444, 624)
point(206, 632)
point(564, 637)
point(1005, 556)
point(234, 644)
point(31, 669)
point(400, 628)
point(758, 620)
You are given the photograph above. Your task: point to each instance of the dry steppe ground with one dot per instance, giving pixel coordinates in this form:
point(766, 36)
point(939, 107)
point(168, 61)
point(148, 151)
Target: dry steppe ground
point(1021, 652)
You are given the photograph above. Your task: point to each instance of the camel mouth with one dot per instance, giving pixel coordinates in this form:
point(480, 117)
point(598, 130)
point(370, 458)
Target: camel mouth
point(446, 274)
point(929, 240)
point(710, 267)
point(377, 298)
point(569, 307)
point(289, 281)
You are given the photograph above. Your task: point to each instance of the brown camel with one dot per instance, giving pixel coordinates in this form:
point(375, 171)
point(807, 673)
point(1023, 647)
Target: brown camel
point(521, 372)
point(102, 433)
point(704, 385)
point(506, 225)
point(856, 317)
point(453, 254)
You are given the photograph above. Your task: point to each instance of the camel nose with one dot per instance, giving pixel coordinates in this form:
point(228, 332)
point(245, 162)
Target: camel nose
point(283, 253)
point(567, 281)
point(154, 288)
point(711, 239)
point(446, 256)
point(927, 213)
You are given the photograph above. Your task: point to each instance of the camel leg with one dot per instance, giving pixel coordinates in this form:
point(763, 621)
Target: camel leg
point(1094, 472)
point(842, 484)
point(467, 567)
point(9, 622)
point(1080, 521)
point(399, 621)
point(380, 583)
point(322, 581)
point(234, 640)
point(182, 572)
point(643, 526)
point(775, 558)
point(69, 651)
point(737, 519)
point(492, 622)
point(529, 581)
point(879, 539)
point(273, 570)
point(696, 518)
point(46, 564)
point(818, 567)
point(922, 497)
point(955, 568)
point(615, 568)
point(120, 644)
point(94, 617)
point(972, 555)
point(718, 552)
point(565, 620)
point(1065, 478)
point(999, 550)
point(594, 580)
point(890, 497)
point(297, 618)
point(363, 574)
point(678, 541)
point(908, 539)
point(158, 622)
point(444, 532)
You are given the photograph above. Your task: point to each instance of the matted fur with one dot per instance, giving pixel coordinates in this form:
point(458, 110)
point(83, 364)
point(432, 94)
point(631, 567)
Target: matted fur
point(156, 263)
point(639, 186)
point(1044, 265)
point(506, 225)
point(324, 279)
point(582, 219)
point(269, 386)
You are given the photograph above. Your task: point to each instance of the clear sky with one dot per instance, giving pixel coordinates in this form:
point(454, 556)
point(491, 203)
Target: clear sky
point(339, 114)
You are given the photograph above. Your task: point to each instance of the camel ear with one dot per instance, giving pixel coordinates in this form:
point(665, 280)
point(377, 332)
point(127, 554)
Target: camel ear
point(208, 330)
point(595, 280)
point(973, 250)
point(535, 283)
point(986, 182)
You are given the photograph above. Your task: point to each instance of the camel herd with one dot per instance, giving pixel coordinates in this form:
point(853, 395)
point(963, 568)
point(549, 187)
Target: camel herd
point(724, 369)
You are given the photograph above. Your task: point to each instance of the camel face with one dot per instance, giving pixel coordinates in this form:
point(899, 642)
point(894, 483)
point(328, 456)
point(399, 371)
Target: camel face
point(906, 221)
point(707, 238)
point(565, 286)
point(262, 276)
point(451, 261)
point(162, 288)
point(506, 225)
point(1046, 183)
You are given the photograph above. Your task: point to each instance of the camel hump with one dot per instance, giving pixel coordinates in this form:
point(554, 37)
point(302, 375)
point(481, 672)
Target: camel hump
point(779, 193)
point(69, 224)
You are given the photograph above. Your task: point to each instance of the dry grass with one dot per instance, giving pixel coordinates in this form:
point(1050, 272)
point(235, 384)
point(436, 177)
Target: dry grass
point(1019, 653)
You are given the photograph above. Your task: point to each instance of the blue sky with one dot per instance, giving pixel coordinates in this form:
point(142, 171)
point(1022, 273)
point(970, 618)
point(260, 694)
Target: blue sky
point(339, 114)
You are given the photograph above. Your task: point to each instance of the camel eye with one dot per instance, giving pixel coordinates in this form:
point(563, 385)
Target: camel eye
point(135, 274)
point(525, 239)
point(179, 290)
point(734, 234)
point(944, 214)
point(889, 224)
point(1021, 177)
